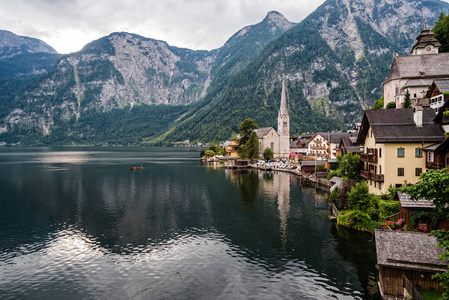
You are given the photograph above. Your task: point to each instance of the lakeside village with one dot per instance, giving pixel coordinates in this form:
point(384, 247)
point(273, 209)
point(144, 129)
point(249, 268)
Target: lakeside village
point(388, 176)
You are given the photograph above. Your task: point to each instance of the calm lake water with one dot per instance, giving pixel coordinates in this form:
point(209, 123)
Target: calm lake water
point(76, 223)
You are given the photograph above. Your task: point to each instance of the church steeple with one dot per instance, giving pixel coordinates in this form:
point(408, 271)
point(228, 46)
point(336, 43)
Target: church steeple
point(283, 117)
point(427, 43)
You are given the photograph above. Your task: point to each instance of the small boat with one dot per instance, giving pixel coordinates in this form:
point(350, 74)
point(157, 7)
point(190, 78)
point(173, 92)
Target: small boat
point(136, 168)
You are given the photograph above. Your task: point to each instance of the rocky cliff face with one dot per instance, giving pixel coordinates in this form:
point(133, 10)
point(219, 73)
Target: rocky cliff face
point(12, 44)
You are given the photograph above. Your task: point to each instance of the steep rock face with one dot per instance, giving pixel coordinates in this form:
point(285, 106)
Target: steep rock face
point(334, 62)
point(12, 44)
point(123, 69)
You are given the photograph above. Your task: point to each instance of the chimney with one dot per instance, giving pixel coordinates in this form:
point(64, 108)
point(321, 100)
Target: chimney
point(418, 116)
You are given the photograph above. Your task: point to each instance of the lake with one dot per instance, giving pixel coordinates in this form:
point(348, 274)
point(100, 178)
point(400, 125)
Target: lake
point(76, 223)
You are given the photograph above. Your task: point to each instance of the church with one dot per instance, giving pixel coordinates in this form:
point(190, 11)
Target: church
point(278, 141)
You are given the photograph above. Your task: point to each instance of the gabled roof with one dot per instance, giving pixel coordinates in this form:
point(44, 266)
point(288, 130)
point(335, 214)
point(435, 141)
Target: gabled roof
point(262, 132)
point(419, 66)
point(417, 83)
point(407, 202)
point(312, 163)
point(408, 250)
point(397, 125)
point(350, 143)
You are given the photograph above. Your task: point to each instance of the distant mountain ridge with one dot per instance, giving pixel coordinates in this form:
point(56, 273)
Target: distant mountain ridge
point(12, 44)
point(123, 70)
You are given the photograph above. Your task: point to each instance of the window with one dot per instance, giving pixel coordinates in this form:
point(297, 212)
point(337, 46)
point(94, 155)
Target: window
point(418, 171)
point(380, 169)
point(401, 152)
point(418, 152)
point(380, 185)
point(400, 171)
point(380, 152)
point(272, 146)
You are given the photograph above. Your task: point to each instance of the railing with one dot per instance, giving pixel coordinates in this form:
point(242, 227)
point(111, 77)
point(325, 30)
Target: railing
point(370, 175)
point(368, 157)
point(434, 165)
point(364, 174)
point(411, 290)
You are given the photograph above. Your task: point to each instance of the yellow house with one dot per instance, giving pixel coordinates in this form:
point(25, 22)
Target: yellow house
point(232, 148)
point(393, 140)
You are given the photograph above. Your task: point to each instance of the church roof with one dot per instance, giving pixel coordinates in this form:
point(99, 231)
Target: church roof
point(417, 82)
point(262, 132)
point(419, 66)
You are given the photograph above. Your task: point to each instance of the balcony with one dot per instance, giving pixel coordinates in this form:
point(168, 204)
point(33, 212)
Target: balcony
point(370, 175)
point(434, 165)
point(368, 157)
point(364, 174)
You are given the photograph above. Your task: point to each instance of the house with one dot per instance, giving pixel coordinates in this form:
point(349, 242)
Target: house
point(349, 144)
point(278, 141)
point(437, 156)
point(410, 209)
point(310, 166)
point(414, 255)
point(231, 147)
point(318, 145)
point(416, 72)
point(393, 142)
point(438, 93)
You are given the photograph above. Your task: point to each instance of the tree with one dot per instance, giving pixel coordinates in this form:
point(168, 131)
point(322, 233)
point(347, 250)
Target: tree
point(441, 30)
point(209, 153)
point(349, 167)
point(391, 104)
point(434, 185)
point(379, 103)
point(268, 154)
point(407, 102)
point(249, 143)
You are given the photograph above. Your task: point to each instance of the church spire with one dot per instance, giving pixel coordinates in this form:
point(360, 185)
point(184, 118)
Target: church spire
point(284, 109)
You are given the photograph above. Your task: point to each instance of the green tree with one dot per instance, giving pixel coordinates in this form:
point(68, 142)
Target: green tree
point(379, 103)
point(434, 184)
point(209, 153)
point(268, 154)
point(349, 167)
point(217, 149)
point(407, 101)
point(249, 143)
point(441, 30)
point(391, 104)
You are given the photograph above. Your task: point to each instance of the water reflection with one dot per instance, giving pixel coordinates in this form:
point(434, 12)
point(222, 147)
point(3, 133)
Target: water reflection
point(97, 230)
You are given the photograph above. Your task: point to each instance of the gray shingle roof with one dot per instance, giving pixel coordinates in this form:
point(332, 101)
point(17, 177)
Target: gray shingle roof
point(261, 132)
point(397, 125)
point(417, 82)
point(419, 66)
point(407, 202)
point(408, 250)
point(311, 163)
point(442, 85)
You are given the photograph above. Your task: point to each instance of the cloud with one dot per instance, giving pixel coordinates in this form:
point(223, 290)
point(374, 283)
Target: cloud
point(197, 24)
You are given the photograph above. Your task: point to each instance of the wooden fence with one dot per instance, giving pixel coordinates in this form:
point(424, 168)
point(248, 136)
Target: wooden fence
point(411, 290)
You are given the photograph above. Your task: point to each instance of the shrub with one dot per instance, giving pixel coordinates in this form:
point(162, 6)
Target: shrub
point(355, 219)
point(341, 200)
point(359, 197)
point(388, 208)
point(391, 104)
point(334, 194)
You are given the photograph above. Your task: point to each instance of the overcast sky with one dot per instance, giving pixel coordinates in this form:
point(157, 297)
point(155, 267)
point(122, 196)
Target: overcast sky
point(67, 25)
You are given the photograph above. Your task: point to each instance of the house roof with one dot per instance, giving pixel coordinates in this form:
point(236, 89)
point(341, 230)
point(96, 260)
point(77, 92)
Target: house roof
point(294, 144)
point(311, 163)
point(439, 117)
point(442, 85)
point(408, 250)
point(261, 132)
point(397, 125)
point(407, 202)
point(419, 66)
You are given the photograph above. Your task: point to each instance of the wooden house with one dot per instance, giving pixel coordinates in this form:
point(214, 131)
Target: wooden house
point(414, 255)
point(423, 208)
point(309, 166)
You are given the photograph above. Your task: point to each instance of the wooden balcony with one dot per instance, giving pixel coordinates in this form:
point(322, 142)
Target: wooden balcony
point(370, 175)
point(434, 165)
point(364, 174)
point(368, 157)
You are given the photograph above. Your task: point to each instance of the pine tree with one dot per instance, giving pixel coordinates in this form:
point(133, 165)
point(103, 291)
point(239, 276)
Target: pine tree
point(407, 102)
point(441, 30)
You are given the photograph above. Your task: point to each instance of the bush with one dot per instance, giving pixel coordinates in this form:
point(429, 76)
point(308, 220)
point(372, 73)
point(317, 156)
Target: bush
point(391, 104)
point(388, 208)
point(359, 197)
point(334, 194)
point(268, 154)
point(356, 219)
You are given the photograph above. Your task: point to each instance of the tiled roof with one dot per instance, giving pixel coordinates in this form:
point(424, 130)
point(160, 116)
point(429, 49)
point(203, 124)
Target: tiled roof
point(417, 82)
point(442, 85)
point(311, 163)
point(408, 250)
point(397, 125)
point(406, 201)
point(419, 66)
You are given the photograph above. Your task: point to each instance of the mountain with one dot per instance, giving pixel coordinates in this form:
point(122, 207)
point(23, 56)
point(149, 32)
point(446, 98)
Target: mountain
point(22, 59)
point(334, 62)
point(138, 75)
point(12, 44)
